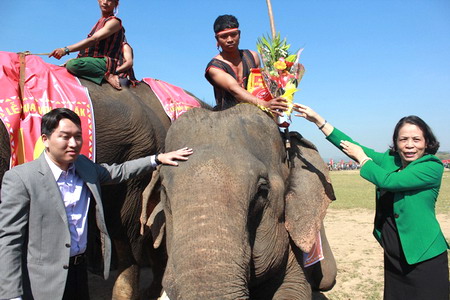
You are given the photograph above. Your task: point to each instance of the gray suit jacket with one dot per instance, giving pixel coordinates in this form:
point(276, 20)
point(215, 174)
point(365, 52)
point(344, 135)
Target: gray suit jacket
point(34, 231)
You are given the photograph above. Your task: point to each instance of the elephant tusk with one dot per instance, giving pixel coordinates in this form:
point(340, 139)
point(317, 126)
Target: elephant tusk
point(164, 296)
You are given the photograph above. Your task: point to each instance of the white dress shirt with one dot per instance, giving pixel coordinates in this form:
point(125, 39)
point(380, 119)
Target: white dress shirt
point(76, 197)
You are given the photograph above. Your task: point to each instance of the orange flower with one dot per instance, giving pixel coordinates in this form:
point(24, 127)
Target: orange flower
point(280, 65)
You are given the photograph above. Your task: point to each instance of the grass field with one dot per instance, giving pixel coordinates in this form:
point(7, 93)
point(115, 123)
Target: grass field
point(352, 191)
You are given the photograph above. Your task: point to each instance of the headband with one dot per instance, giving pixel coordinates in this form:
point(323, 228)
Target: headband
point(226, 30)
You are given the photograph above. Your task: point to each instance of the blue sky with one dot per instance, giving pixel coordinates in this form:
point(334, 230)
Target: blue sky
point(368, 63)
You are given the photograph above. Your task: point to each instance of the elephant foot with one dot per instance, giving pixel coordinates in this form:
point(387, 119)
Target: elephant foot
point(126, 286)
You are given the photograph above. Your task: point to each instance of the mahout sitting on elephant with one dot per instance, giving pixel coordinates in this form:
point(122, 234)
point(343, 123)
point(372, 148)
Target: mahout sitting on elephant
point(238, 215)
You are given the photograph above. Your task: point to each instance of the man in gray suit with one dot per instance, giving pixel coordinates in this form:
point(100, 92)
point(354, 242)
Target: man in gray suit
point(43, 213)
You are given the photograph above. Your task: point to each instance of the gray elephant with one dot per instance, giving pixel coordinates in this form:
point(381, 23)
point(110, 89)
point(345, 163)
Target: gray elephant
point(129, 124)
point(239, 213)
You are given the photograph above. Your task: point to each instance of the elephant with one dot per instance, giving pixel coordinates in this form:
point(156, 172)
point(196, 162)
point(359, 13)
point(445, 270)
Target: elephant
point(240, 213)
point(130, 123)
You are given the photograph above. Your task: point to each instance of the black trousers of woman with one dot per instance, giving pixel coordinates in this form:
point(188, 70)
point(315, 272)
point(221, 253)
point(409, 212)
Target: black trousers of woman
point(427, 280)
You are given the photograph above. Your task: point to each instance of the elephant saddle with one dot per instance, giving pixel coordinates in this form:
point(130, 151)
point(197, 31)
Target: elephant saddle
point(42, 87)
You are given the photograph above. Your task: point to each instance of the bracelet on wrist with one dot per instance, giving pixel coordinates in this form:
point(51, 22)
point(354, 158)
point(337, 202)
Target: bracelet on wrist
point(157, 161)
point(66, 51)
point(364, 161)
point(323, 125)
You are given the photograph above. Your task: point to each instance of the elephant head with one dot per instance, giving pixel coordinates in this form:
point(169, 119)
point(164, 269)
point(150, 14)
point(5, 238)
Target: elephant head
point(237, 212)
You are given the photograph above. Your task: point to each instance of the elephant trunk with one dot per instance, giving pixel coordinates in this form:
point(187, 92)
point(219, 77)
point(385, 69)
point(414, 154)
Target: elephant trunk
point(209, 254)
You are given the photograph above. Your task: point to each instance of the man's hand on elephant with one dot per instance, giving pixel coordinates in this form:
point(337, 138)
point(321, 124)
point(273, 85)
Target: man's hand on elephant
point(170, 158)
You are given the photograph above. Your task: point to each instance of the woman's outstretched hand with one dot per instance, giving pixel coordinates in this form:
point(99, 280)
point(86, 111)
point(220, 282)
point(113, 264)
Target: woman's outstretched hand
point(308, 113)
point(352, 150)
point(170, 158)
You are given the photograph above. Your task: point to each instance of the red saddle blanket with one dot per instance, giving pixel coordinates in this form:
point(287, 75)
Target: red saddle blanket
point(174, 100)
point(45, 87)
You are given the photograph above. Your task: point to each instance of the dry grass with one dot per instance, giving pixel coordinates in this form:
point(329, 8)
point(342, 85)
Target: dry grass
point(352, 191)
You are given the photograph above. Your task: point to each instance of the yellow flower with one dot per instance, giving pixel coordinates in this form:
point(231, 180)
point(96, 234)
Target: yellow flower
point(280, 65)
point(289, 91)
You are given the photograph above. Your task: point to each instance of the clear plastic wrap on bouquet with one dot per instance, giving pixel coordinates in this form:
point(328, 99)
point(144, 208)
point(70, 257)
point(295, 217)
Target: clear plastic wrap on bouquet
point(281, 72)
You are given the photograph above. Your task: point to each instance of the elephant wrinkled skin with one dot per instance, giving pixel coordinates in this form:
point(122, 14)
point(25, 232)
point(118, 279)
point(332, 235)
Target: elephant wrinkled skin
point(129, 124)
point(237, 215)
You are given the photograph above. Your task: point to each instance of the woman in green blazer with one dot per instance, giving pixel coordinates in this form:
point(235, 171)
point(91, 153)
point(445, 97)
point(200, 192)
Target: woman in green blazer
point(408, 178)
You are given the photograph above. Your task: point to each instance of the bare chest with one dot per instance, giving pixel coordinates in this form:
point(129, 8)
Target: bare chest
point(236, 66)
point(238, 71)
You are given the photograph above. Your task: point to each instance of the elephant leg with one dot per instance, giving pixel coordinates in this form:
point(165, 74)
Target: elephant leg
point(127, 282)
point(322, 275)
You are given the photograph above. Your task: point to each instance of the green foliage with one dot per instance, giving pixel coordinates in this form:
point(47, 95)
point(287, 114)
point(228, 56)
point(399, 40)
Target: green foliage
point(271, 50)
point(291, 58)
point(352, 191)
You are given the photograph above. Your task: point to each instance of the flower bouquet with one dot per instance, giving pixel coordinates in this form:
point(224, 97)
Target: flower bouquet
point(281, 72)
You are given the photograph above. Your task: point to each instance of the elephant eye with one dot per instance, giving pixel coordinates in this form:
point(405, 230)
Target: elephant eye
point(263, 186)
point(261, 194)
point(257, 205)
point(263, 190)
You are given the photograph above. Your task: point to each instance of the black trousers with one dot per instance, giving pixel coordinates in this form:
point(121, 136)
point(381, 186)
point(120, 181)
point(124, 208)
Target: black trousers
point(427, 280)
point(77, 282)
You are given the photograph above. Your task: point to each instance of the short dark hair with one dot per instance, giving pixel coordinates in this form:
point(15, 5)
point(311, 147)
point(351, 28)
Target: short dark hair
point(430, 139)
point(50, 120)
point(225, 22)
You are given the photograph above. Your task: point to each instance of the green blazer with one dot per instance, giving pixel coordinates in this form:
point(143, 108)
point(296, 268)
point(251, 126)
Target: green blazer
point(415, 189)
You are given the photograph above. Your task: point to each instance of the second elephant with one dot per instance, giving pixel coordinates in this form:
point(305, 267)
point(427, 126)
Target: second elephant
point(238, 214)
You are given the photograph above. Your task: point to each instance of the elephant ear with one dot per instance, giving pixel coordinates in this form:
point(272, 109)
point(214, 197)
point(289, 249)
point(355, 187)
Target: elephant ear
point(308, 194)
point(152, 214)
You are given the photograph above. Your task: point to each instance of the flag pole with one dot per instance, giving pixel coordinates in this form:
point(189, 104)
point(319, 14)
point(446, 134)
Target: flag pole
point(287, 139)
point(272, 22)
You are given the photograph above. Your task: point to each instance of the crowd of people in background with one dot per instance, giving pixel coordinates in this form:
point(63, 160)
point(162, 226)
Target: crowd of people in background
point(352, 165)
point(342, 165)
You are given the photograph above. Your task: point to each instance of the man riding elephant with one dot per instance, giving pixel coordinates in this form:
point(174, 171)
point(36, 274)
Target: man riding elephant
point(102, 52)
point(229, 70)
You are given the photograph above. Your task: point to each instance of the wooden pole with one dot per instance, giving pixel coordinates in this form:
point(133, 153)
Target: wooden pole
point(272, 22)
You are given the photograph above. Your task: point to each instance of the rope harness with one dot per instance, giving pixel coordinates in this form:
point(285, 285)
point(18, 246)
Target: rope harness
point(23, 64)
